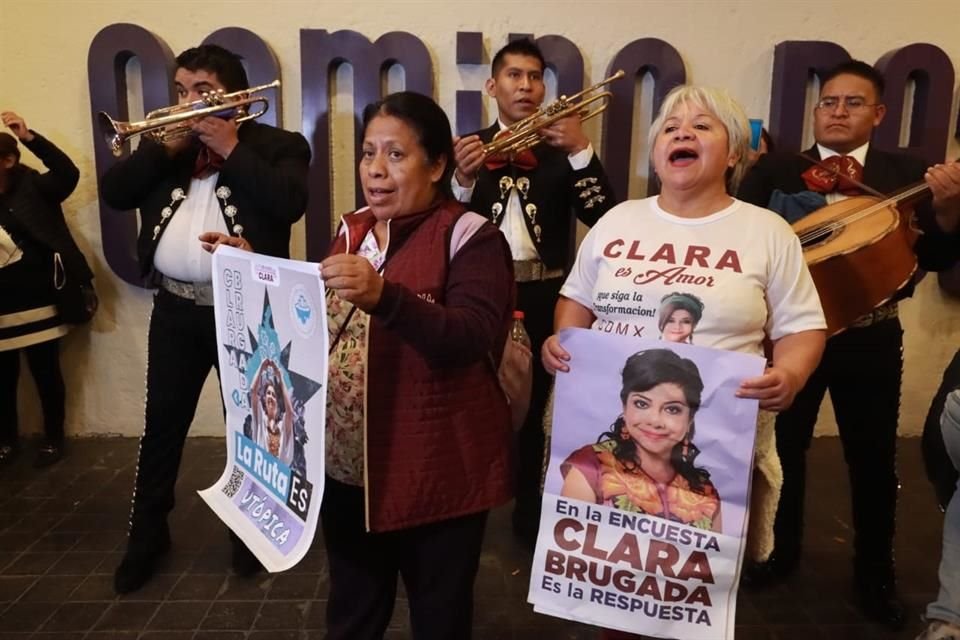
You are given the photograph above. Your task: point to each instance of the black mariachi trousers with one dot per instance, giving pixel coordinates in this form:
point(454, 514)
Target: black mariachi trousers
point(862, 368)
point(181, 350)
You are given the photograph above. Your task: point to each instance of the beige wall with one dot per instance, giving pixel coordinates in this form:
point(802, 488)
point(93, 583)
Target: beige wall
point(43, 56)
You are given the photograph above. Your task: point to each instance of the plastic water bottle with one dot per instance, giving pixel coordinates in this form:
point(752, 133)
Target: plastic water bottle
point(517, 332)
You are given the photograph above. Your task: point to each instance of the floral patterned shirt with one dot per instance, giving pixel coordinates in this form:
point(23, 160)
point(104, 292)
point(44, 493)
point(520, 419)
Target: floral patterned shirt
point(346, 380)
point(618, 487)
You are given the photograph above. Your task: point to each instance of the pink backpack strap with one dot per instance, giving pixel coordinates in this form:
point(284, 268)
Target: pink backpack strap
point(464, 229)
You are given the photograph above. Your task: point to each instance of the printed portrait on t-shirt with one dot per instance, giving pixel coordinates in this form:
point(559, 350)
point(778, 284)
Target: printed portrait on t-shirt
point(678, 317)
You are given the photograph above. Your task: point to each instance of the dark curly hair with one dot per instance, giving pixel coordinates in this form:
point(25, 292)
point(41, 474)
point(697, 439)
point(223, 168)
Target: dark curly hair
point(644, 371)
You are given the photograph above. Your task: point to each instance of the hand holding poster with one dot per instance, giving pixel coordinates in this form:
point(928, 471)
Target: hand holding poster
point(644, 508)
point(272, 331)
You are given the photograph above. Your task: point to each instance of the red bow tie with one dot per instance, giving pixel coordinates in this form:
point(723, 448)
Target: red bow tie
point(525, 160)
point(208, 162)
point(837, 173)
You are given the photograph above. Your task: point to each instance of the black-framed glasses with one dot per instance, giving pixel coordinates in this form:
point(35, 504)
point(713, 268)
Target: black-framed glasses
point(850, 103)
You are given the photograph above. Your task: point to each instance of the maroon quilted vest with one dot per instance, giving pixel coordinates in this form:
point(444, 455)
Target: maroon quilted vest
point(438, 436)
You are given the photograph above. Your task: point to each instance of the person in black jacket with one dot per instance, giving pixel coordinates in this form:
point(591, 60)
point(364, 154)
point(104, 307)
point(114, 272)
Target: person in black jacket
point(247, 181)
point(37, 255)
point(535, 197)
point(862, 366)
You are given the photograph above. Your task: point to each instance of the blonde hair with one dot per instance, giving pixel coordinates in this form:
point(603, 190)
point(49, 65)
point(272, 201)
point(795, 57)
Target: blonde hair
point(725, 109)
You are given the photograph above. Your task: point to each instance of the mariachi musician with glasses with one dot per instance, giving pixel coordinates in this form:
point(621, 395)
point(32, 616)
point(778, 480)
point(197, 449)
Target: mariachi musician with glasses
point(862, 365)
point(533, 197)
point(248, 180)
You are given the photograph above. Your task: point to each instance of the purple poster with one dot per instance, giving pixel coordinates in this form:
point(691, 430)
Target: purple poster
point(644, 511)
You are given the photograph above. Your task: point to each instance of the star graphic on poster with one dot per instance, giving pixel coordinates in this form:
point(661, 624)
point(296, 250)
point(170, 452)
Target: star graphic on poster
point(265, 345)
point(263, 355)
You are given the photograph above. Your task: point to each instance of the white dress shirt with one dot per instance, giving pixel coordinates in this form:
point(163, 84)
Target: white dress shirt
point(179, 254)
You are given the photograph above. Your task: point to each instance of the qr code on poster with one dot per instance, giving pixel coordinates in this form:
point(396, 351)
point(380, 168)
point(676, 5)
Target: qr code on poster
point(233, 485)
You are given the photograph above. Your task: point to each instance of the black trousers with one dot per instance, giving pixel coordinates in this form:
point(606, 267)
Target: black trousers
point(862, 368)
point(44, 362)
point(537, 301)
point(181, 350)
point(438, 564)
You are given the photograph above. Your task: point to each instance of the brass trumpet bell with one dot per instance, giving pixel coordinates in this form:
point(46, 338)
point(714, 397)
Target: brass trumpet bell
point(526, 133)
point(171, 123)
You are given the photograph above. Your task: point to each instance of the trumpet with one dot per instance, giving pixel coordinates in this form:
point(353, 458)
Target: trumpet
point(526, 133)
point(171, 123)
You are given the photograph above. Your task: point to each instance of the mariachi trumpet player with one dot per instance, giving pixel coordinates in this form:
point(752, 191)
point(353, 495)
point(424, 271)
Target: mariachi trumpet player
point(532, 195)
point(203, 174)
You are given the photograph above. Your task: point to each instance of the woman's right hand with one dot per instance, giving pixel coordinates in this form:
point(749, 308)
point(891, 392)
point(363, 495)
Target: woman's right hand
point(554, 356)
point(210, 240)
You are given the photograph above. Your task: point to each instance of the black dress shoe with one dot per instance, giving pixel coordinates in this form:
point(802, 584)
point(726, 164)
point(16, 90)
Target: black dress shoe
point(244, 563)
point(773, 571)
point(879, 602)
point(49, 453)
point(138, 566)
point(8, 453)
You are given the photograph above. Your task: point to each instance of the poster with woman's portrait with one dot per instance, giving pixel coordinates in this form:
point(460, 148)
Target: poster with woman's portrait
point(647, 484)
point(271, 328)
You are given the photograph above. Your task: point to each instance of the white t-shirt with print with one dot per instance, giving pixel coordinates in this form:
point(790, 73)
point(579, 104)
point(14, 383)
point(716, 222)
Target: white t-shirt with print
point(741, 268)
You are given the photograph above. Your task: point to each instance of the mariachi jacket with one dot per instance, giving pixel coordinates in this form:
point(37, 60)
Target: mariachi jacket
point(437, 424)
point(552, 196)
point(261, 189)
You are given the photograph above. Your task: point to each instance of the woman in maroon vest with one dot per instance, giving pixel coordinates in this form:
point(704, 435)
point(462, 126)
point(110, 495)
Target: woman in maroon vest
point(418, 428)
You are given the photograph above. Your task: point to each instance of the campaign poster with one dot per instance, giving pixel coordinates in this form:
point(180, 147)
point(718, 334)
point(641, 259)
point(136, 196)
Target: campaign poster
point(645, 497)
point(272, 335)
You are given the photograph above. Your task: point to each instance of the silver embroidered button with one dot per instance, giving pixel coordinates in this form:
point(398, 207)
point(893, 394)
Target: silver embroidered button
point(223, 192)
point(166, 212)
point(238, 229)
point(177, 194)
point(230, 210)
